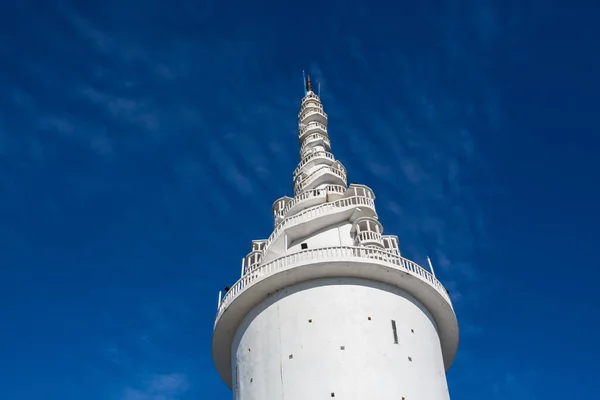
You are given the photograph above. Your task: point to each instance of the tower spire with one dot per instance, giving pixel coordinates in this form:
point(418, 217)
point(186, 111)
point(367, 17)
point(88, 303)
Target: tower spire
point(328, 242)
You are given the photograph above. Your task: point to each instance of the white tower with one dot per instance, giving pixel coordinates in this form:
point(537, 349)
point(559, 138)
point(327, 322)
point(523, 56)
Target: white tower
point(326, 306)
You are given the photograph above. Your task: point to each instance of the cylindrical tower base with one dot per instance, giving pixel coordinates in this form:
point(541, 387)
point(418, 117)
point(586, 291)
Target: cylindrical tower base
point(345, 338)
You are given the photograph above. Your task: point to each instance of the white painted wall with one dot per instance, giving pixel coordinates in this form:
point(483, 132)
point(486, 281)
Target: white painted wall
point(332, 236)
point(370, 367)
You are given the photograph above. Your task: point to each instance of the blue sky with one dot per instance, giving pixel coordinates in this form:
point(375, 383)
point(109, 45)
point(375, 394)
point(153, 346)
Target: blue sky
point(142, 144)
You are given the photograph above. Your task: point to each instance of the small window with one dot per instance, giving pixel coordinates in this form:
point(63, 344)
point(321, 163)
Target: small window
point(410, 359)
point(304, 246)
point(332, 394)
point(394, 332)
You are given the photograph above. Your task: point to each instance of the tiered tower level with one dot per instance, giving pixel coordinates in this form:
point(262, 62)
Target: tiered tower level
point(327, 306)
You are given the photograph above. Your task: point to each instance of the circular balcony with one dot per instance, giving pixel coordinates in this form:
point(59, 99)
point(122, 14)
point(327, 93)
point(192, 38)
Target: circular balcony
point(313, 197)
point(332, 262)
point(335, 174)
point(310, 96)
point(313, 115)
point(368, 238)
point(315, 139)
point(279, 206)
point(309, 104)
point(314, 157)
point(310, 128)
point(320, 216)
point(252, 261)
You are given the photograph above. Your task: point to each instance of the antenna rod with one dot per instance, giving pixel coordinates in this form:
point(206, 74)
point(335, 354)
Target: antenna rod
point(431, 267)
point(219, 304)
point(304, 80)
point(319, 88)
point(243, 259)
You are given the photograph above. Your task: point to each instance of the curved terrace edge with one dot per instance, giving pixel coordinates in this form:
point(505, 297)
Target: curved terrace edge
point(343, 261)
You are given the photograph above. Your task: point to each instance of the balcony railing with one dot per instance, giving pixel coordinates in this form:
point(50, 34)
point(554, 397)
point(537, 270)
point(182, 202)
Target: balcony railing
point(310, 96)
point(369, 237)
point(311, 111)
point(314, 193)
point(318, 211)
point(314, 137)
point(307, 105)
point(310, 157)
point(309, 126)
point(334, 254)
point(302, 183)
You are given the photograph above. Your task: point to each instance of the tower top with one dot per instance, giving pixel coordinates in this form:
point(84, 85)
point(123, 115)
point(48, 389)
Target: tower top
point(307, 83)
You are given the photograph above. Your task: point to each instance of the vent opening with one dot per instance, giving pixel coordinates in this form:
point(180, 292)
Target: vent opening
point(394, 332)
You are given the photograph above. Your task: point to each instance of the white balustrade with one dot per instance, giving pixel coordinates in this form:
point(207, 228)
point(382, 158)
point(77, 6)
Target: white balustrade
point(310, 96)
point(317, 211)
point(310, 105)
point(314, 137)
point(314, 193)
point(369, 236)
point(309, 126)
point(311, 157)
point(336, 254)
point(311, 111)
point(303, 182)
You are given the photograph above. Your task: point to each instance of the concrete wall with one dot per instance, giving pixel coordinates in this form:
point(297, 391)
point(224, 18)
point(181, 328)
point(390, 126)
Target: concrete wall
point(290, 346)
point(332, 236)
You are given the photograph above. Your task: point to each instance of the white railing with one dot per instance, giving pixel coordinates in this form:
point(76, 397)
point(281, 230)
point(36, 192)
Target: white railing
point(314, 193)
point(341, 253)
point(369, 236)
point(311, 105)
point(309, 158)
point(312, 111)
point(252, 260)
point(311, 125)
point(301, 183)
point(314, 137)
point(317, 211)
point(310, 96)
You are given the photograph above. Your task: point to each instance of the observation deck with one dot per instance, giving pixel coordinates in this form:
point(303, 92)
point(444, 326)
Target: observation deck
point(341, 261)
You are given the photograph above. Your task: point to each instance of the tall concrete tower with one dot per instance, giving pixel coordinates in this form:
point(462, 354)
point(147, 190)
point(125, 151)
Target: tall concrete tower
point(327, 306)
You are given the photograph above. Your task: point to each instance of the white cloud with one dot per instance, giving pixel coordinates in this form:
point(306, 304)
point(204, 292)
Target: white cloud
point(159, 387)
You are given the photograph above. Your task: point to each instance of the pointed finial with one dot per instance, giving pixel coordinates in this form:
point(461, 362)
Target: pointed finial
point(308, 85)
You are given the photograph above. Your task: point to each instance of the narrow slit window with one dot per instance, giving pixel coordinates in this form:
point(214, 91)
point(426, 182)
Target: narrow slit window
point(395, 332)
point(304, 246)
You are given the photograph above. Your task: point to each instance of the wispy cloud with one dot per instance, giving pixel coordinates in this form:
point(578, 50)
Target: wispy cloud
point(158, 387)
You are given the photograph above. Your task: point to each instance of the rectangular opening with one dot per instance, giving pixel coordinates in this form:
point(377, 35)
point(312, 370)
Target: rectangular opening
point(304, 246)
point(395, 332)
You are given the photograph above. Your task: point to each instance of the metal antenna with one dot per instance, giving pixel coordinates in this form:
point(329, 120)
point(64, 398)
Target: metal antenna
point(304, 80)
point(319, 88)
point(431, 267)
